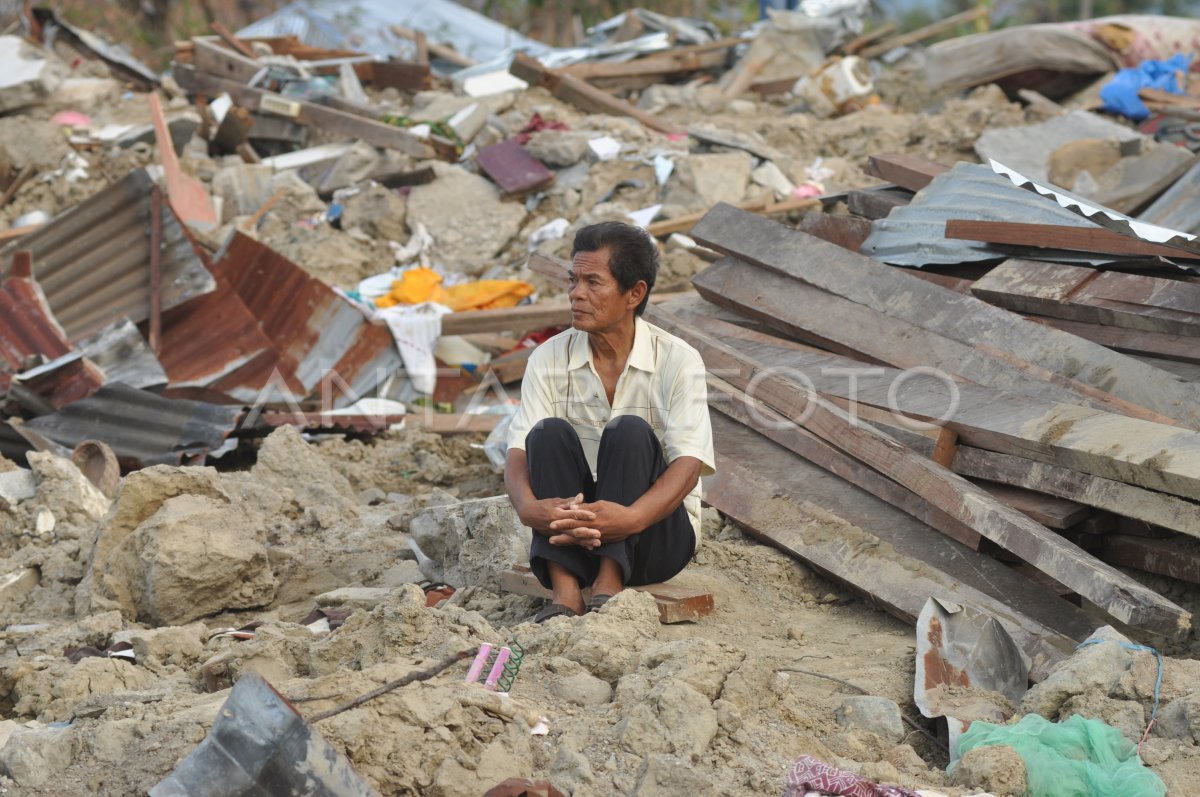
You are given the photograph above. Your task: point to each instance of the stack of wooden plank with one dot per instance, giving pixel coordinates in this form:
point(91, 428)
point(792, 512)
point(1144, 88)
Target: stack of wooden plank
point(907, 438)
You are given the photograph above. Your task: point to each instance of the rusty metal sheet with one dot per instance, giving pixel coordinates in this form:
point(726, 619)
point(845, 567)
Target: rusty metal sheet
point(93, 261)
point(141, 428)
point(122, 355)
point(27, 324)
point(320, 338)
point(210, 337)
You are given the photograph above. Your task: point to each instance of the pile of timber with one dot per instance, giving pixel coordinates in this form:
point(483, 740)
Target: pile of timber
point(914, 441)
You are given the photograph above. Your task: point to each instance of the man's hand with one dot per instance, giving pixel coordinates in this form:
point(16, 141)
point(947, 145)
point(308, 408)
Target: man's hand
point(608, 522)
point(541, 515)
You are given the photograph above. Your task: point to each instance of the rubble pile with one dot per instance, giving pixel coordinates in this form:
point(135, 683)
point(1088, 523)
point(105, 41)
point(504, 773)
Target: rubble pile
point(238, 443)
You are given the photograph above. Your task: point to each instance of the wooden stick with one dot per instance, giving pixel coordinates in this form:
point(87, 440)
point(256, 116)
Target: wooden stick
point(17, 232)
point(233, 41)
point(759, 206)
point(927, 32)
point(420, 675)
point(436, 50)
point(18, 181)
point(1056, 236)
point(854, 45)
point(156, 204)
point(264, 209)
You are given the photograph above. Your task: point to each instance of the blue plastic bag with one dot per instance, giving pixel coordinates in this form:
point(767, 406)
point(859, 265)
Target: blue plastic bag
point(1120, 94)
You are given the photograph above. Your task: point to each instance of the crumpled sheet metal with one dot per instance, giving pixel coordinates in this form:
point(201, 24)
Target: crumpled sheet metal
point(27, 324)
point(141, 428)
point(324, 344)
point(93, 261)
point(915, 234)
point(260, 746)
point(115, 55)
point(964, 648)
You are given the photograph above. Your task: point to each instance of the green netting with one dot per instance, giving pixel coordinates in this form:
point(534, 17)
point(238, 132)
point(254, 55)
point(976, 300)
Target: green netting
point(1075, 758)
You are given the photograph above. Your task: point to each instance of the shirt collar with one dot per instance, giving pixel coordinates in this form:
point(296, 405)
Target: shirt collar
point(641, 356)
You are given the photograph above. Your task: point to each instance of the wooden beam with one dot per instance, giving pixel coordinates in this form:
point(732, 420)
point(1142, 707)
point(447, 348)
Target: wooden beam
point(1130, 341)
point(520, 318)
point(231, 40)
point(219, 62)
point(906, 171)
point(445, 53)
point(1056, 236)
point(1122, 597)
point(671, 62)
point(1164, 557)
point(676, 602)
point(554, 269)
point(684, 223)
point(1109, 494)
point(1103, 444)
point(509, 368)
point(848, 232)
point(1052, 512)
point(892, 560)
point(972, 322)
point(926, 32)
point(877, 203)
point(330, 120)
point(582, 94)
point(451, 423)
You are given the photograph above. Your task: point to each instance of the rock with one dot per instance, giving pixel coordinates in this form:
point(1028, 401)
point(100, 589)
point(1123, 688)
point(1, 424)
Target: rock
point(997, 769)
point(142, 494)
point(196, 556)
point(17, 485)
point(675, 719)
point(16, 585)
point(470, 248)
point(372, 496)
point(30, 75)
point(1127, 716)
point(607, 643)
point(243, 188)
point(353, 166)
point(180, 646)
point(403, 572)
point(285, 460)
point(475, 541)
point(1098, 666)
point(77, 504)
point(670, 776)
point(904, 758)
point(34, 756)
point(354, 597)
point(701, 181)
point(570, 769)
point(52, 693)
point(771, 176)
point(582, 689)
point(873, 714)
point(378, 211)
point(558, 148)
point(1180, 719)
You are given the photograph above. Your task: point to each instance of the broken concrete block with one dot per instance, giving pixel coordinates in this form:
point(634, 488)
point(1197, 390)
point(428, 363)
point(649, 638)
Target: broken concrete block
point(475, 541)
point(701, 181)
point(194, 557)
point(354, 597)
point(1180, 719)
point(63, 489)
point(16, 585)
point(34, 756)
point(377, 211)
point(876, 715)
point(997, 769)
point(1093, 667)
point(470, 248)
point(17, 486)
point(27, 75)
point(558, 148)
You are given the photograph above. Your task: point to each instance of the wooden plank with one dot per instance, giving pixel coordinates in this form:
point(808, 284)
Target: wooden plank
point(1130, 341)
point(676, 603)
point(521, 318)
point(188, 196)
point(231, 40)
point(327, 119)
point(679, 60)
point(840, 325)
point(210, 57)
point(736, 405)
point(451, 423)
point(1120, 596)
point(1130, 301)
point(1115, 496)
point(891, 559)
point(403, 75)
point(1055, 236)
point(445, 53)
point(1055, 513)
point(513, 169)
point(926, 32)
point(859, 42)
point(1170, 557)
point(876, 203)
point(966, 319)
point(906, 171)
point(684, 223)
point(554, 269)
point(509, 368)
point(580, 93)
point(1102, 444)
point(848, 232)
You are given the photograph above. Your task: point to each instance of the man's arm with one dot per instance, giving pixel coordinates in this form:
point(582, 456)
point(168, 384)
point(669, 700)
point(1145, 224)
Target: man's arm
point(541, 514)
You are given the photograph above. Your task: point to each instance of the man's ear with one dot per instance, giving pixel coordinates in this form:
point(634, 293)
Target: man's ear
point(637, 293)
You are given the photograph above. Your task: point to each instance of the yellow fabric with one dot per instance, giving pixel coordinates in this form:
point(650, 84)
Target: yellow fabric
point(419, 285)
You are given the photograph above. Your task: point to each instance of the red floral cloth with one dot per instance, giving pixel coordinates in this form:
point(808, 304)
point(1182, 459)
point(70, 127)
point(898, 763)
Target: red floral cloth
point(811, 774)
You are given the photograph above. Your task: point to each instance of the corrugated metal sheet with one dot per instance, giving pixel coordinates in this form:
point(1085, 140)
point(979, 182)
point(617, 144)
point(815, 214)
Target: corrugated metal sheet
point(141, 428)
point(27, 325)
point(211, 337)
point(317, 334)
point(364, 25)
point(1179, 207)
point(915, 234)
point(123, 355)
point(93, 262)
point(115, 55)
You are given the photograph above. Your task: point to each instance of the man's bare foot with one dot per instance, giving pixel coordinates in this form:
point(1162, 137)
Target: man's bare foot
point(608, 580)
point(565, 588)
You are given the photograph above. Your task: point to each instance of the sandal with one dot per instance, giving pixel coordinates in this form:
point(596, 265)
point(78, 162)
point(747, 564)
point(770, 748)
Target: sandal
point(596, 603)
point(552, 610)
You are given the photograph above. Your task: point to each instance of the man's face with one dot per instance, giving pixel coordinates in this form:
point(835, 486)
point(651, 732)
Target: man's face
point(597, 303)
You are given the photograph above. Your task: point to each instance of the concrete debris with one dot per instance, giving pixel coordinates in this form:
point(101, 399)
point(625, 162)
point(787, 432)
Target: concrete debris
point(998, 770)
point(29, 77)
point(872, 714)
point(474, 541)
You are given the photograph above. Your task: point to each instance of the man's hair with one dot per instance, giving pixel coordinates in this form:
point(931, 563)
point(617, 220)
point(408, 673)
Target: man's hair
point(632, 254)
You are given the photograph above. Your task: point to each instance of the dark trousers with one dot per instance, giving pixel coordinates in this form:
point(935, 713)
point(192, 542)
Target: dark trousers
point(630, 460)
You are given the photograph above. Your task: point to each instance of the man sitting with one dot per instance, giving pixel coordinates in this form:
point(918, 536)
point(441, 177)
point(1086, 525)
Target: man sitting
point(606, 452)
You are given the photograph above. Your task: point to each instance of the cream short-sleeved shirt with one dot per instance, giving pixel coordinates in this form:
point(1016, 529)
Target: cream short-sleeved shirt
point(663, 383)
